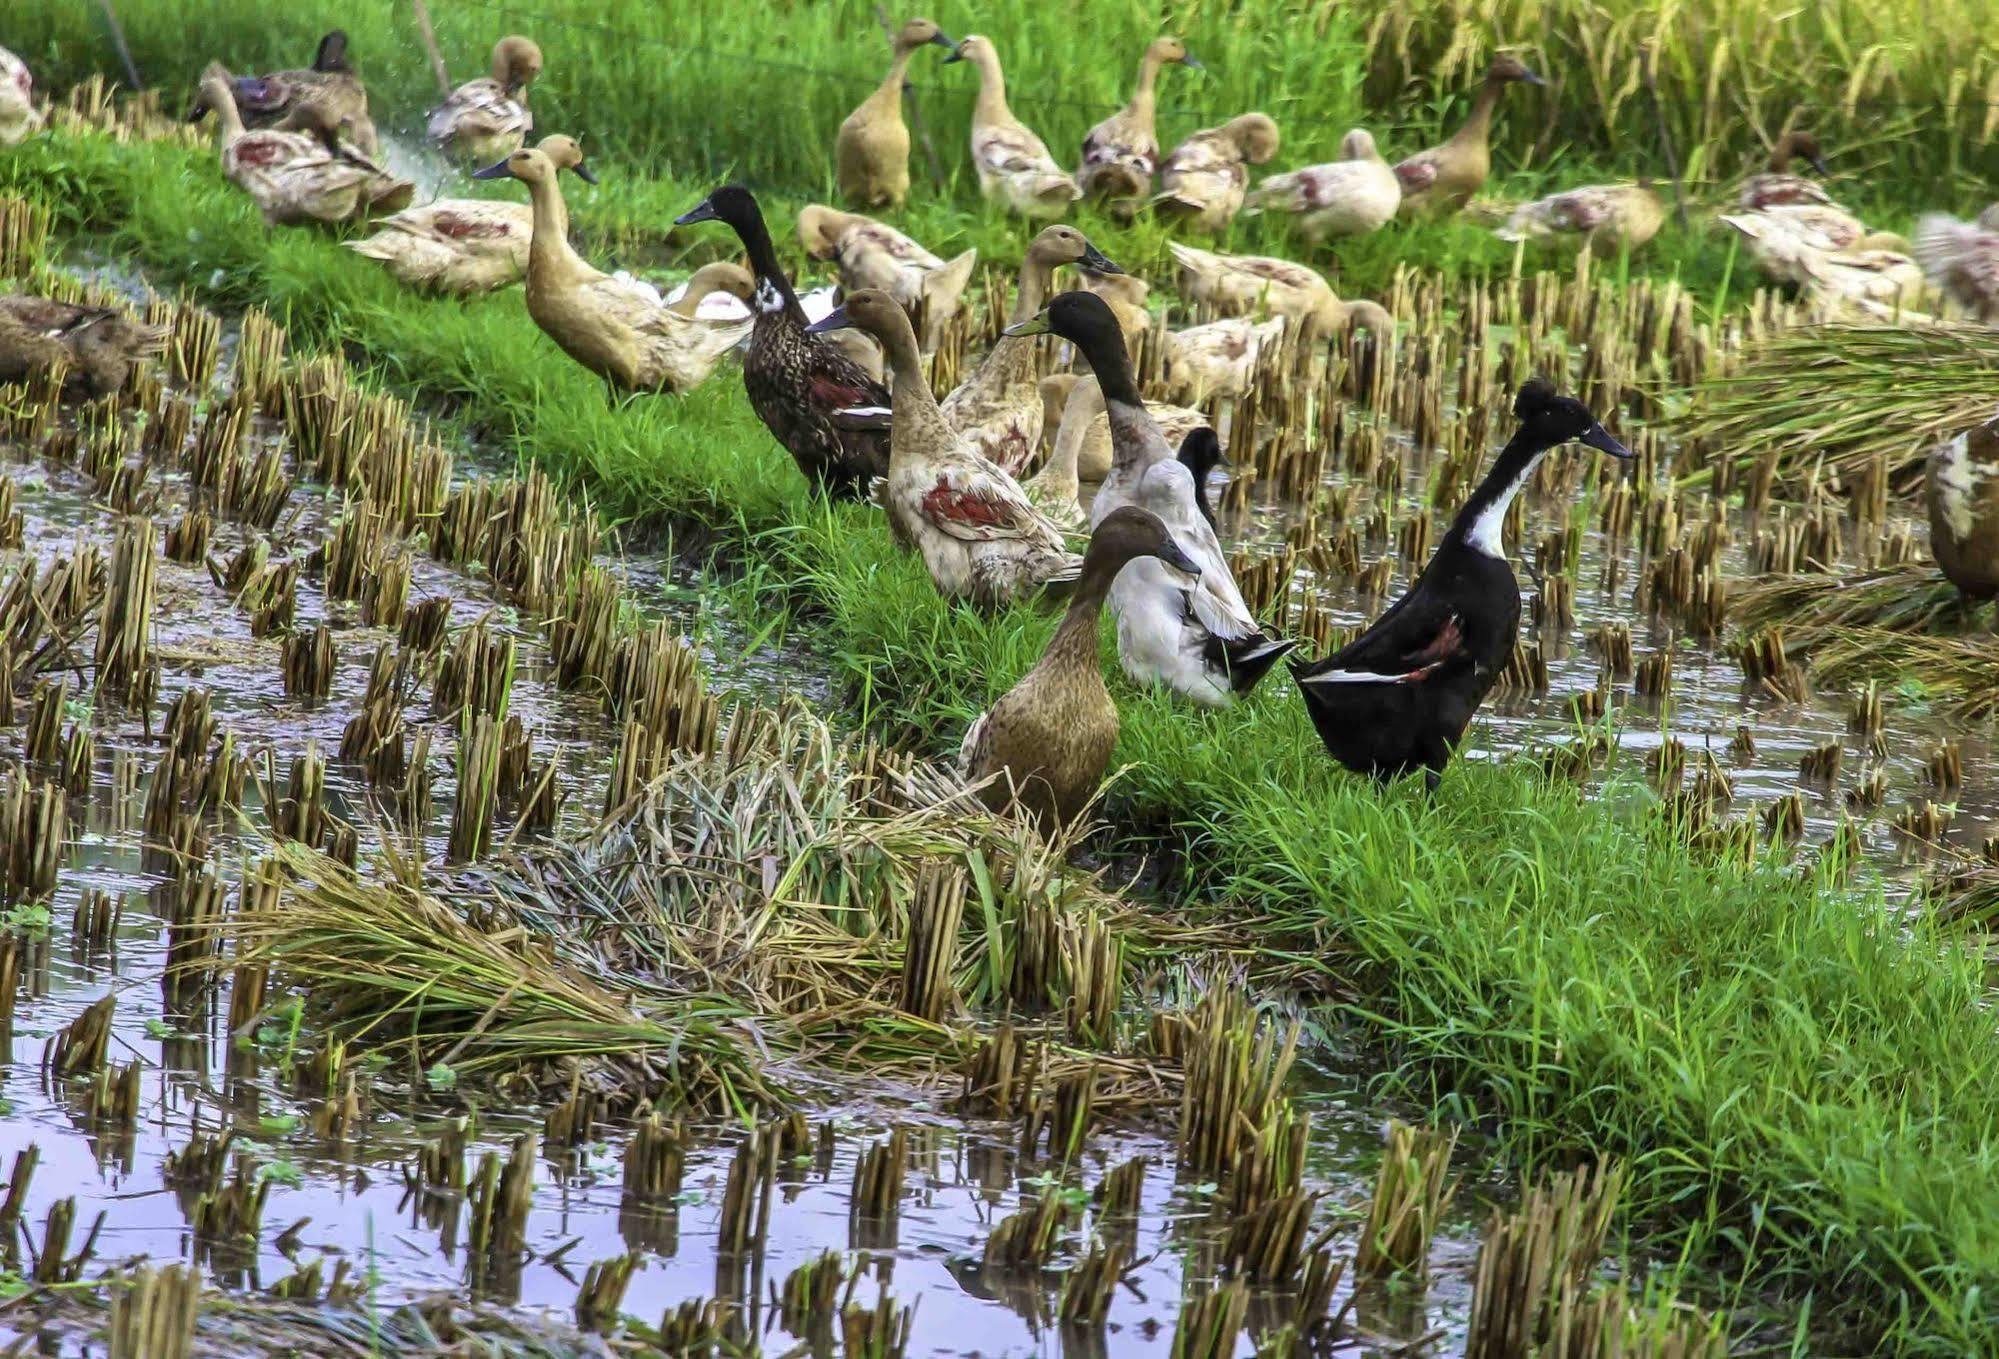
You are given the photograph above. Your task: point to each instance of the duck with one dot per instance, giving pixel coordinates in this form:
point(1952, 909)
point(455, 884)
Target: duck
point(1776, 186)
point(1047, 743)
point(821, 406)
point(1126, 294)
point(466, 246)
point(1217, 359)
point(1055, 488)
point(618, 328)
point(1196, 638)
point(1093, 451)
point(1871, 272)
point(870, 254)
point(1443, 178)
point(1601, 218)
point(976, 530)
point(1398, 697)
point(19, 118)
point(1121, 153)
point(1352, 196)
point(1961, 481)
point(998, 407)
point(99, 345)
point(299, 171)
point(1244, 285)
point(487, 120)
point(1961, 260)
point(1014, 167)
point(1203, 183)
point(330, 82)
point(718, 291)
point(871, 150)
point(1201, 453)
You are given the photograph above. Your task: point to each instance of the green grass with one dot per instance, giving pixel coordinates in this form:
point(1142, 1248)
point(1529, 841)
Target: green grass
point(1804, 1082)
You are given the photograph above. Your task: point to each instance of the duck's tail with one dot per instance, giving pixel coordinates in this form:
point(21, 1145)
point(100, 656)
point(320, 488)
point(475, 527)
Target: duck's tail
point(943, 286)
point(1248, 659)
point(1054, 189)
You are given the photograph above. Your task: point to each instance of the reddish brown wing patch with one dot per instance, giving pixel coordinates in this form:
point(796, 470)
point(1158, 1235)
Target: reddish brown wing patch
point(946, 504)
point(1416, 175)
point(259, 150)
point(461, 228)
point(836, 395)
point(1449, 640)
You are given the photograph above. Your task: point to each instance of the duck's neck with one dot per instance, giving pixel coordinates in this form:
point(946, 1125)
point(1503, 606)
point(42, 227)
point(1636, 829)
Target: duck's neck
point(1077, 414)
point(887, 97)
point(228, 120)
point(1074, 644)
point(550, 256)
point(1111, 364)
point(1477, 128)
point(917, 418)
point(990, 107)
point(1480, 525)
point(1037, 279)
point(773, 292)
point(1144, 95)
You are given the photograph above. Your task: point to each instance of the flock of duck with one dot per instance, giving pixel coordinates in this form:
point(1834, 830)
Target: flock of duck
point(843, 387)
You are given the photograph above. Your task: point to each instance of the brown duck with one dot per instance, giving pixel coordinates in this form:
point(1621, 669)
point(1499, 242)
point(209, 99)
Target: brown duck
point(330, 82)
point(871, 152)
point(100, 345)
point(1444, 178)
point(830, 416)
point(1049, 739)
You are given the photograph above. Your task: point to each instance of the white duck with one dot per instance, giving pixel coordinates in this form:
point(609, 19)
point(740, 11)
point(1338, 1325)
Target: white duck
point(871, 254)
point(1198, 639)
point(978, 533)
point(1015, 169)
point(1348, 197)
point(18, 115)
point(1203, 182)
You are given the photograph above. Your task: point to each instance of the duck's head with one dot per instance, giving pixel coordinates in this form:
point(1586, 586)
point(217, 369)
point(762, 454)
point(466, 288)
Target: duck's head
point(1372, 317)
point(976, 48)
point(1548, 419)
point(1359, 145)
point(1128, 533)
point(1201, 453)
point(820, 228)
point(722, 276)
point(1254, 135)
point(1799, 144)
point(216, 85)
point(1064, 244)
point(1507, 68)
point(332, 53)
point(528, 165)
point(1167, 48)
point(516, 62)
point(871, 311)
point(1077, 317)
point(916, 33)
point(566, 153)
point(731, 204)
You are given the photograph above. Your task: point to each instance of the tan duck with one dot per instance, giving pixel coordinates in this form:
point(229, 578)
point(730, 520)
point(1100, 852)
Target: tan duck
point(1046, 744)
point(330, 82)
point(1817, 249)
point(1443, 178)
point(99, 345)
point(1121, 152)
point(1961, 260)
point(617, 328)
point(1348, 197)
point(1962, 481)
point(466, 246)
point(1776, 186)
point(1603, 218)
point(1055, 488)
point(998, 408)
point(1093, 450)
point(1127, 294)
point(978, 533)
point(1015, 170)
point(870, 254)
point(1203, 182)
point(19, 118)
point(485, 119)
point(871, 152)
point(302, 175)
point(1217, 359)
point(1054, 389)
point(1245, 285)
point(710, 289)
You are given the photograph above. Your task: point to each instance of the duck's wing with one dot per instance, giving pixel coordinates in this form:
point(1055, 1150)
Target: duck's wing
point(1417, 173)
point(1214, 601)
point(1012, 150)
point(976, 502)
point(836, 385)
point(1416, 638)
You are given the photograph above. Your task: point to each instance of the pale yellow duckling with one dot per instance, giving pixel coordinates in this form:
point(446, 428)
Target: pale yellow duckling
point(1961, 260)
point(485, 119)
point(617, 328)
point(998, 408)
point(871, 152)
point(710, 289)
point(1962, 482)
point(1776, 186)
point(18, 115)
point(978, 533)
point(1015, 169)
point(1348, 197)
point(1045, 746)
point(1203, 182)
point(1121, 152)
point(1444, 178)
point(466, 246)
point(1603, 218)
point(302, 175)
point(870, 254)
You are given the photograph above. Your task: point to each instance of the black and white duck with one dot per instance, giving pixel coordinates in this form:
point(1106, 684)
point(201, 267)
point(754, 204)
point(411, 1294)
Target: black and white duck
point(1197, 638)
point(1398, 697)
point(829, 414)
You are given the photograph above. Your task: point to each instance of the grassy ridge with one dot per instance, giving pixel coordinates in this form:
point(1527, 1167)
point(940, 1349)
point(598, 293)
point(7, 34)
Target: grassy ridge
point(694, 89)
point(1801, 1079)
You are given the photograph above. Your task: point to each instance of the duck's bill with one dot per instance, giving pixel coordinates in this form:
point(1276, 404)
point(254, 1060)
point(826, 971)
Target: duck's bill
point(703, 212)
point(584, 172)
point(945, 42)
point(835, 319)
point(497, 170)
point(957, 53)
point(1176, 557)
point(1818, 164)
point(1193, 63)
point(1095, 261)
point(1597, 437)
point(1033, 325)
point(1534, 78)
